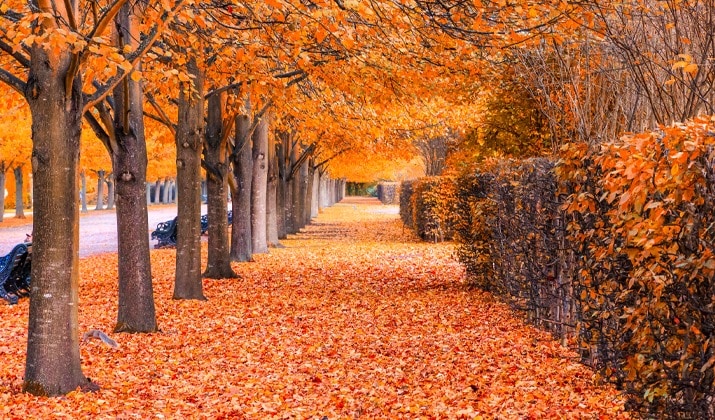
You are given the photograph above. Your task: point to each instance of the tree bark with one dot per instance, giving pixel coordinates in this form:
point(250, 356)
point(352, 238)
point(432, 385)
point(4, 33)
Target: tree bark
point(293, 193)
point(281, 186)
point(129, 162)
point(53, 358)
point(83, 190)
point(165, 191)
point(241, 204)
point(19, 199)
point(110, 192)
point(272, 196)
point(259, 187)
point(157, 191)
point(100, 189)
point(315, 195)
point(2, 190)
point(189, 145)
point(309, 176)
point(216, 162)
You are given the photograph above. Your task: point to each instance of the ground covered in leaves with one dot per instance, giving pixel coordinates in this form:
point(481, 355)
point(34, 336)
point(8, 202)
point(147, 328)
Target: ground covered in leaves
point(353, 319)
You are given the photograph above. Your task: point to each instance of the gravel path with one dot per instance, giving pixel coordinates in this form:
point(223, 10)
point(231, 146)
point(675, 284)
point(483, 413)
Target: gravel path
point(97, 230)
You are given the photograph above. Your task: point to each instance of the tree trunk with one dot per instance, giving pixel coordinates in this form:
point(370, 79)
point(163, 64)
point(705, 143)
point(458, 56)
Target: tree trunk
point(189, 145)
point(281, 187)
point(129, 162)
point(2, 190)
point(53, 358)
point(310, 171)
point(293, 194)
point(216, 161)
point(110, 192)
point(315, 195)
point(259, 188)
point(271, 196)
point(100, 189)
point(157, 191)
point(241, 204)
point(19, 199)
point(299, 192)
point(148, 193)
point(83, 191)
point(165, 191)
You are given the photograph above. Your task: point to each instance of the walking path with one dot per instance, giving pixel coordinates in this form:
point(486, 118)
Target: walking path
point(97, 229)
point(352, 319)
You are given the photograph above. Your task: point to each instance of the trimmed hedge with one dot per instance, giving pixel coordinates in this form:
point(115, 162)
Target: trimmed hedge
point(388, 192)
point(427, 206)
point(612, 249)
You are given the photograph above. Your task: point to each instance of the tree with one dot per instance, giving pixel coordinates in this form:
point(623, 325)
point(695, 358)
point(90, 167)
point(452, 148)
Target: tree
point(49, 52)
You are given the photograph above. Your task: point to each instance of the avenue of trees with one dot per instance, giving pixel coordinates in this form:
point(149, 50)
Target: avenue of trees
point(279, 101)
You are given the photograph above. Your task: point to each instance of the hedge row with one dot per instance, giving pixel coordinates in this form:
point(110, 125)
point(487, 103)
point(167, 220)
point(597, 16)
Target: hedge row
point(388, 192)
point(611, 248)
point(427, 206)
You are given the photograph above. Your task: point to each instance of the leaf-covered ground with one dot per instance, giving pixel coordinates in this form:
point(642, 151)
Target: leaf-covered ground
point(353, 319)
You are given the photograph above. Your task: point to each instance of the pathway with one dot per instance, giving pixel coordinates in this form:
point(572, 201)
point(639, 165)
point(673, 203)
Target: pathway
point(352, 319)
point(97, 229)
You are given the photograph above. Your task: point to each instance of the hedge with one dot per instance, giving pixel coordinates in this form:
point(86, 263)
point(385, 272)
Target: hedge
point(612, 248)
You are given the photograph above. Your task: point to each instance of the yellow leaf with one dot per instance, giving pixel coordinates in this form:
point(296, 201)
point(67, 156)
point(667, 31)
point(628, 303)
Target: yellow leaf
point(691, 69)
point(136, 76)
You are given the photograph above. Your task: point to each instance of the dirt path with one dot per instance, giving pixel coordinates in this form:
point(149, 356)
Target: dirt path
point(353, 319)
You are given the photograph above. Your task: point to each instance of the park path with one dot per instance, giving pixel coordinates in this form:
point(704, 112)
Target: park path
point(354, 318)
point(97, 229)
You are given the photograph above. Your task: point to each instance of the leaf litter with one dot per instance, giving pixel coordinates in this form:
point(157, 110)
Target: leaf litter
point(354, 318)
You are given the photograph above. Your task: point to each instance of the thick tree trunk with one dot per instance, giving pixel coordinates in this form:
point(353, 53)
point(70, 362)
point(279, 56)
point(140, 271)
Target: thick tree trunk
point(259, 188)
point(272, 197)
point(19, 199)
point(53, 358)
point(100, 189)
point(189, 145)
point(110, 192)
point(2, 190)
point(216, 161)
point(241, 204)
point(83, 191)
point(129, 162)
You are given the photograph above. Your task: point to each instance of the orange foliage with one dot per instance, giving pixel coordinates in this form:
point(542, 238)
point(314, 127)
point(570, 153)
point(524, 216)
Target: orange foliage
point(354, 318)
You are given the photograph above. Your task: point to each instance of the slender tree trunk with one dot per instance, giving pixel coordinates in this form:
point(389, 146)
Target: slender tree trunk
point(216, 161)
point(83, 191)
point(189, 145)
point(259, 187)
point(299, 193)
point(100, 189)
point(53, 358)
point(271, 196)
point(129, 161)
point(310, 171)
point(148, 193)
point(294, 225)
point(281, 187)
point(110, 192)
point(2, 190)
point(241, 204)
point(19, 199)
point(157, 191)
point(315, 195)
point(165, 191)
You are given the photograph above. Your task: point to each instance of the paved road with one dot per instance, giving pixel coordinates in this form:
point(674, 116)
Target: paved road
point(97, 230)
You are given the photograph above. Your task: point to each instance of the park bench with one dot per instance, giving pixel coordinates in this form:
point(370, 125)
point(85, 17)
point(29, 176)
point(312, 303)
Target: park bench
point(15, 273)
point(165, 232)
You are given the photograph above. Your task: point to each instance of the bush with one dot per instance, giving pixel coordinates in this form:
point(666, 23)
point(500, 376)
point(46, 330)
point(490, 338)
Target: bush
point(388, 192)
point(427, 207)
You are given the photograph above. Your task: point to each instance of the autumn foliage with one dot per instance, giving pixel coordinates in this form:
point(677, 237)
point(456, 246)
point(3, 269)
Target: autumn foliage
point(427, 206)
point(354, 318)
point(611, 249)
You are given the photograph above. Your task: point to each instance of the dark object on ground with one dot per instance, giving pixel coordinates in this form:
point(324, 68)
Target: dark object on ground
point(165, 232)
point(15, 273)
